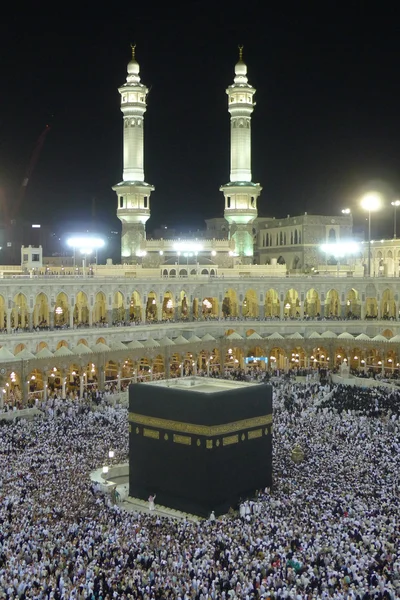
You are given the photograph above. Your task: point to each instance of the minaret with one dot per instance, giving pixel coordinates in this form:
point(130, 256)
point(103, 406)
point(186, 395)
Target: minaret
point(133, 192)
point(241, 193)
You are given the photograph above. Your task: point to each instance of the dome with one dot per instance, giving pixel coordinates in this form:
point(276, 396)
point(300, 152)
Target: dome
point(240, 68)
point(133, 67)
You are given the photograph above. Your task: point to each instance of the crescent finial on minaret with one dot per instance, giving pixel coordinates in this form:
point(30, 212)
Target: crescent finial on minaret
point(133, 47)
point(240, 52)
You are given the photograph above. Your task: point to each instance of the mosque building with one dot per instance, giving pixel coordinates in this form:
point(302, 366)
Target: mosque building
point(251, 291)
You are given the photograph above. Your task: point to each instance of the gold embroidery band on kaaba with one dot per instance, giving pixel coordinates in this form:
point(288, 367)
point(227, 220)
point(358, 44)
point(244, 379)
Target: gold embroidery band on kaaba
point(206, 430)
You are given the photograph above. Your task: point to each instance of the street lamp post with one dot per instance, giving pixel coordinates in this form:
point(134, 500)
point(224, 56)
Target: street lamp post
point(370, 202)
point(395, 204)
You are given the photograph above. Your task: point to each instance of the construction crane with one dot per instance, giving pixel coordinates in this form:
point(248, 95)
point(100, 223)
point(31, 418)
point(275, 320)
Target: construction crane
point(31, 166)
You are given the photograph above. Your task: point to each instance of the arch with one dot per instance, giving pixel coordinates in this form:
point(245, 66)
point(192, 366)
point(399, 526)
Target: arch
point(175, 365)
point(230, 304)
point(356, 358)
point(291, 304)
point(204, 272)
point(151, 307)
point(118, 308)
point(158, 370)
point(81, 309)
point(135, 307)
point(250, 304)
point(172, 273)
point(281, 261)
point(296, 239)
point(100, 340)
point(297, 357)
point(215, 362)
point(41, 345)
point(332, 304)
point(341, 356)
point(111, 371)
point(353, 305)
point(168, 307)
point(83, 341)
point(19, 348)
point(387, 333)
point(388, 305)
point(19, 313)
point(371, 307)
point(234, 359)
point(272, 304)
point(61, 311)
point(3, 313)
point(277, 358)
point(319, 357)
point(41, 311)
point(183, 273)
point(62, 343)
point(127, 371)
point(209, 307)
point(100, 308)
point(188, 364)
point(35, 386)
point(183, 304)
point(255, 359)
point(332, 235)
point(312, 304)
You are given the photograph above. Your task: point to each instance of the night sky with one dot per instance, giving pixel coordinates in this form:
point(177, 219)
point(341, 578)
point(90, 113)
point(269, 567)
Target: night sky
point(326, 125)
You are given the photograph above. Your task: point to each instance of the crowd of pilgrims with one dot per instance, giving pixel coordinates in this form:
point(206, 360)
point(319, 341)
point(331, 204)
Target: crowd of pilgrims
point(328, 527)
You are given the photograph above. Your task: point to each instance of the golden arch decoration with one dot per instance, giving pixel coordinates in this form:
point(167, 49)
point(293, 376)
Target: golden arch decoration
point(291, 305)
point(183, 304)
point(168, 307)
point(118, 308)
point(19, 313)
point(209, 307)
point(272, 304)
point(388, 305)
point(250, 305)
point(81, 309)
point(230, 304)
point(61, 311)
point(353, 305)
point(3, 313)
point(312, 304)
point(100, 308)
point(332, 304)
point(62, 343)
point(135, 307)
point(41, 311)
point(151, 307)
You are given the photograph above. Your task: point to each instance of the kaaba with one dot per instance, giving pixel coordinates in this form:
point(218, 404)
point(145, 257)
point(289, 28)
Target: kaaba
point(199, 444)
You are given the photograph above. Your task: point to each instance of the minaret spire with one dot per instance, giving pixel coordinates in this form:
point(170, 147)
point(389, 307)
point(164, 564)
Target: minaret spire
point(133, 192)
point(241, 193)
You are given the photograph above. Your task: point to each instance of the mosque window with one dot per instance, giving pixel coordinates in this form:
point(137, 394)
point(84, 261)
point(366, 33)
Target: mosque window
point(145, 201)
point(228, 202)
point(252, 201)
point(141, 98)
point(232, 99)
point(121, 201)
